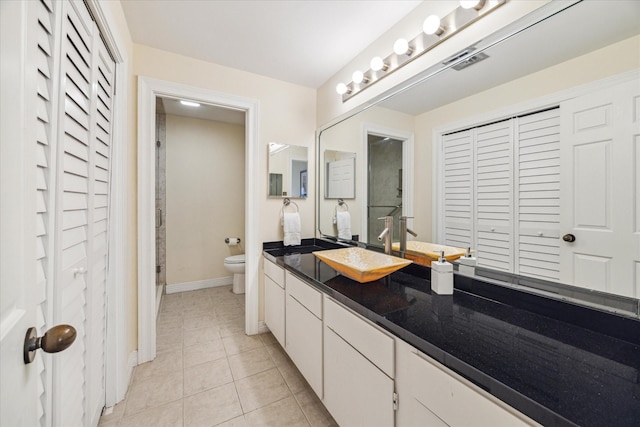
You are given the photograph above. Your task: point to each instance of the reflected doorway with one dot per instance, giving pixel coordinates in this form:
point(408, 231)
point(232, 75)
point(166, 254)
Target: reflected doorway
point(384, 184)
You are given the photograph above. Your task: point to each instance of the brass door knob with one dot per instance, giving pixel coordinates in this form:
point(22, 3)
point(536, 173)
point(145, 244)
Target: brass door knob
point(54, 340)
point(569, 238)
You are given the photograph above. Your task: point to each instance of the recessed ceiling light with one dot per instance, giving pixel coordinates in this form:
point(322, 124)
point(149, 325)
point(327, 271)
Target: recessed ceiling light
point(189, 103)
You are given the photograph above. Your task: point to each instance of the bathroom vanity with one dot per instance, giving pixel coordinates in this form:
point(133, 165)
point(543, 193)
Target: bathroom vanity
point(391, 352)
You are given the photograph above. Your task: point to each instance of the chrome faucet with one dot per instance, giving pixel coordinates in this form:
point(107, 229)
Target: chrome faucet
point(403, 234)
point(387, 234)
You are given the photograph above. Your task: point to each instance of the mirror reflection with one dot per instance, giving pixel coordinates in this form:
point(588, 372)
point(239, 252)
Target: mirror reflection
point(340, 173)
point(288, 171)
point(518, 156)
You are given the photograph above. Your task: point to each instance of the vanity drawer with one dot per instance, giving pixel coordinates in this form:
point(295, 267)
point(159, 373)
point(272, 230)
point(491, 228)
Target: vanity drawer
point(275, 272)
point(371, 342)
point(443, 392)
point(310, 298)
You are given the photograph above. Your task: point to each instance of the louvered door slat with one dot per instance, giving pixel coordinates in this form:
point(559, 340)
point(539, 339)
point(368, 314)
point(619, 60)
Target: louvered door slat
point(493, 208)
point(458, 189)
point(538, 253)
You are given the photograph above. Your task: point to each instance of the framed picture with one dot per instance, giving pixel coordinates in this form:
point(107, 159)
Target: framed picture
point(303, 183)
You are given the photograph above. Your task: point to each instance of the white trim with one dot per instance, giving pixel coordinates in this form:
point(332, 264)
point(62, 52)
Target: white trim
point(116, 372)
point(520, 108)
point(199, 284)
point(148, 90)
point(408, 162)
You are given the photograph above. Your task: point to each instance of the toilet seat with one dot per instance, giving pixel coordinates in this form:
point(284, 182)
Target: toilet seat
point(235, 259)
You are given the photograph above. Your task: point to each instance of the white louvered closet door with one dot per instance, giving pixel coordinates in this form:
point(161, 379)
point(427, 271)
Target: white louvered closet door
point(82, 185)
point(458, 189)
point(494, 193)
point(538, 195)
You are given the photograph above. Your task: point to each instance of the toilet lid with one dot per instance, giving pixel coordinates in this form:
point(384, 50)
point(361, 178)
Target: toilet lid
point(235, 259)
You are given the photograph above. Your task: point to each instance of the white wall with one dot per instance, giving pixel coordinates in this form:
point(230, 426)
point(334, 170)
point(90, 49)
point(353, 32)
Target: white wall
point(205, 196)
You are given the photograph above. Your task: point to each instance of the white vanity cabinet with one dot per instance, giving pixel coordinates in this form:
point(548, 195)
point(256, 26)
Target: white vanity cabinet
point(433, 395)
point(358, 369)
point(274, 300)
point(304, 330)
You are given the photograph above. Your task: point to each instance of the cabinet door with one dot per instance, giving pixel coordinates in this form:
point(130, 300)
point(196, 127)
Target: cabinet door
point(274, 309)
point(356, 392)
point(304, 342)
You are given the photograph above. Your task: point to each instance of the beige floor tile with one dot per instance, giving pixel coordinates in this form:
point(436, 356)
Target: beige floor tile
point(206, 376)
point(169, 340)
point(204, 352)
point(169, 415)
point(250, 362)
point(261, 389)
point(212, 407)
point(202, 335)
point(198, 322)
point(282, 413)
point(171, 318)
point(236, 422)
point(292, 376)
point(239, 343)
point(111, 423)
point(164, 363)
point(268, 338)
point(278, 354)
point(154, 391)
point(313, 409)
point(171, 305)
point(233, 327)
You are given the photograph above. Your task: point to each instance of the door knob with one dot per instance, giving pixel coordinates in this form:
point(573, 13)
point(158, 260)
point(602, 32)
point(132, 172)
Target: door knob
point(54, 340)
point(569, 238)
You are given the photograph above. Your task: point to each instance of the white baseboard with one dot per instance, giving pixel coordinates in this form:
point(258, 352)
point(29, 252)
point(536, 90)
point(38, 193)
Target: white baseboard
point(199, 284)
point(262, 327)
point(133, 362)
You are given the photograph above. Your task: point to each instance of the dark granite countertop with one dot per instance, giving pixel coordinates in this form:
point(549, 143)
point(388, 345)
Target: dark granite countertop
point(579, 367)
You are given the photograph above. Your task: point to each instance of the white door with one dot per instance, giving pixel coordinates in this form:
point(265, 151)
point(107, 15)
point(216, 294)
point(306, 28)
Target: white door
point(20, 384)
point(56, 126)
point(341, 179)
point(600, 151)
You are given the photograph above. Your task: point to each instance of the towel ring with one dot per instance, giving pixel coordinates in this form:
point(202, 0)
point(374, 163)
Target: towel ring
point(343, 204)
point(287, 202)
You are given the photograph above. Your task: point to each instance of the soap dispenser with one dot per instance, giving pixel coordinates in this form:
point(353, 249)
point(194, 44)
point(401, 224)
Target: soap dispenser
point(442, 276)
point(467, 264)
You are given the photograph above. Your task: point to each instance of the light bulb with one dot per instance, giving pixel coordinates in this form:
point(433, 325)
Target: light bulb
point(401, 46)
point(472, 4)
point(357, 77)
point(377, 64)
point(432, 25)
point(341, 88)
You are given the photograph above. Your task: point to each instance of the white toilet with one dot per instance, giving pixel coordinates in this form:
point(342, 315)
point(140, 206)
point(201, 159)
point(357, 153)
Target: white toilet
point(235, 264)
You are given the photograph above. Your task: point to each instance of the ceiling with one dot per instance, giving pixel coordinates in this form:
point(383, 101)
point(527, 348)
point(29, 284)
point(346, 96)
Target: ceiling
point(302, 42)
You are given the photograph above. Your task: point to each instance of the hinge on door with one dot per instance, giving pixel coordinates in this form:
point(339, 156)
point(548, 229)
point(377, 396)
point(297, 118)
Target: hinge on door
point(158, 143)
point(395, 401)
point(158, 268)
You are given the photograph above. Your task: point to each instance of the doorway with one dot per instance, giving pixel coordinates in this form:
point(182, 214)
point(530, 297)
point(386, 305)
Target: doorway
point(148, 90)
point(388, 178)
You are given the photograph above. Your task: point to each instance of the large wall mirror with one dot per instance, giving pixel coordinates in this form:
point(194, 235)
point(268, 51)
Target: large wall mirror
point(288, 171)
point(512, 157)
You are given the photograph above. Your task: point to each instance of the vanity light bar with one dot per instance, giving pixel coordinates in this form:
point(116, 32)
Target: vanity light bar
point(406, 51)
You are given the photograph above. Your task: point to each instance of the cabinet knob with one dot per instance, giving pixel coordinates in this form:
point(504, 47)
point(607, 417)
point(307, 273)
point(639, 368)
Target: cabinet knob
point(56, 339)
point(569, 238)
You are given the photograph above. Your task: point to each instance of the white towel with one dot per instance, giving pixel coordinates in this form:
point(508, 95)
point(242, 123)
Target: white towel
point(343, 221)
point(291, 226)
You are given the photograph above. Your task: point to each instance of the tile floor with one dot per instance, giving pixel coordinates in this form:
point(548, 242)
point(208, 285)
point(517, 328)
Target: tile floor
point(207, 372)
